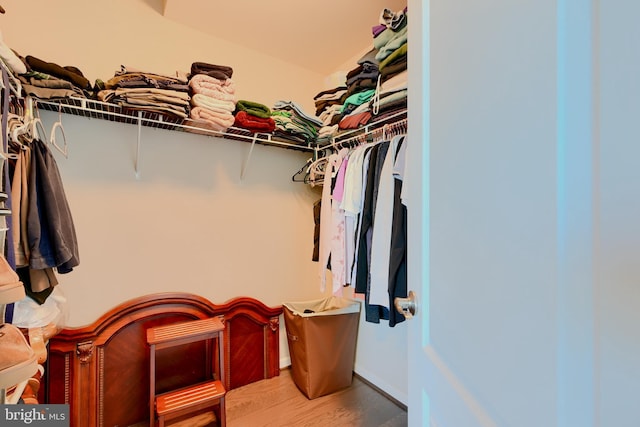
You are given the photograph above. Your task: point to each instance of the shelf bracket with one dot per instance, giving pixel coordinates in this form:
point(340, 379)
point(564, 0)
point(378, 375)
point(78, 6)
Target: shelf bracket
point(246, 161)
point(136, 164)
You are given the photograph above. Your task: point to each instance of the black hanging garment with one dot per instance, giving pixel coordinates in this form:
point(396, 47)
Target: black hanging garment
point(50, 229)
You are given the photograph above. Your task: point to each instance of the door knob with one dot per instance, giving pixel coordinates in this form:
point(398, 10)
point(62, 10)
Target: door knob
point(406, 306)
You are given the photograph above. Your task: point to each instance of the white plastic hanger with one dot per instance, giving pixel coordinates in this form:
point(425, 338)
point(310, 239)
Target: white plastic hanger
point(52, 135)
point(29, 126)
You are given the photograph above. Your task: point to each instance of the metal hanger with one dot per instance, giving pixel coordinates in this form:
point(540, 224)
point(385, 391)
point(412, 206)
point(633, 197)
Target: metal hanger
point(303, 172)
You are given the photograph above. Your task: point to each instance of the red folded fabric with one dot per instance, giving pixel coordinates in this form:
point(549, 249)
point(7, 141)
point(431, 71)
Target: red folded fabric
point(254, 123)
point(354, 121)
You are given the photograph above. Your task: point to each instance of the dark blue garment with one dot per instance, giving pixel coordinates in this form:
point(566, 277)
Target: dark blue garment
point(50, 229)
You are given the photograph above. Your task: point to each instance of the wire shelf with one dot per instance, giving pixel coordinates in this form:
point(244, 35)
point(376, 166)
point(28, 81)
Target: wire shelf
point(106, 111)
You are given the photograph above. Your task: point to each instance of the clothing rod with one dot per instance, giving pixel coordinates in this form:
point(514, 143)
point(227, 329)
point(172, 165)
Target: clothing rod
point(368, 128)
point(366, 132)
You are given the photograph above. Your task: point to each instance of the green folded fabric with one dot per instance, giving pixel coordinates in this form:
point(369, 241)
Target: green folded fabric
point(358, 98)
point(253, 108)
point(396, 54)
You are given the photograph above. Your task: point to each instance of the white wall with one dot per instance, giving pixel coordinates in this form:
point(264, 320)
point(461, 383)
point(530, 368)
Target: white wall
point(98, 37)
point(188, 223)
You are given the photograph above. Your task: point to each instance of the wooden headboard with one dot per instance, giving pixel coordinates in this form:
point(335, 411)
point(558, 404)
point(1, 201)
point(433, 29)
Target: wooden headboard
point(102, 370)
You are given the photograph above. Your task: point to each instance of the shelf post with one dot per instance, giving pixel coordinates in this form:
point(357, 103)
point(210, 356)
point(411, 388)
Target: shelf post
point(138, 144)
point(246, 162)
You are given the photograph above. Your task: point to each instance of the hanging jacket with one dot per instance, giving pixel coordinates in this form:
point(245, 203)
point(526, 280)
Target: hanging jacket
point(51, 233)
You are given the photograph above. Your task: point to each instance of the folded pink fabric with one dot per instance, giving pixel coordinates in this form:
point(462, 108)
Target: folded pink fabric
point(217, 120)
point(201, 127)
point(201, 83)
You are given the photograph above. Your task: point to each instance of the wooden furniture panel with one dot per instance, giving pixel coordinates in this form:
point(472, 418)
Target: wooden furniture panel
point(185, 400)
point(102, 370)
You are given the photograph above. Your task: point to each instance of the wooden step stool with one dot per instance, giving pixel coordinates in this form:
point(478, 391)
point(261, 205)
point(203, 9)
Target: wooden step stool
point(196, 397)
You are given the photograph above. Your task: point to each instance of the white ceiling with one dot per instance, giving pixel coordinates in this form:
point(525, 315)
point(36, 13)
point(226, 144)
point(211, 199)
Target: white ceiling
point(317, 35)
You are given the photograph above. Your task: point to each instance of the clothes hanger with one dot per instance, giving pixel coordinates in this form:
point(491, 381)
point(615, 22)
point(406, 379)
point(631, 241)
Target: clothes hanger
point(14, 121)
point(302, 172)
point(20, 129)
point(52, 135)
point(28, 127)
point(36, 128)
point(316, 170)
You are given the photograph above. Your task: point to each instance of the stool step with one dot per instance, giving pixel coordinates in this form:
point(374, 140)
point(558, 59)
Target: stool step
point(188, 397)
point(191, 331)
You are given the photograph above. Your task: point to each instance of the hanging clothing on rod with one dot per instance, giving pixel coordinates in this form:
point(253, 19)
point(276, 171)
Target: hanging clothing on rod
point(43, 237)
point(362, 231)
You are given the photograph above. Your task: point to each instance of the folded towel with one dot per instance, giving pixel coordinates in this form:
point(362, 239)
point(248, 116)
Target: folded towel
point(199, 82)
point(201, 127)
point(218, 71)
point(253, 108)
point(220, 106)
point(218, 121)
point(254, 123)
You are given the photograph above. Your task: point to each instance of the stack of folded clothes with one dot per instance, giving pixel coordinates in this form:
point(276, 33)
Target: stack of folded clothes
point(328, 106)
point(391, 43)
point(254, 117)
point(329, 99)
point(326, 134)
point(213, 96)
point(138, 90)
point(356, 110)
point(365, 75)
point(293, 124)
point(47, 80)
point(361, 83)
point(392, 96)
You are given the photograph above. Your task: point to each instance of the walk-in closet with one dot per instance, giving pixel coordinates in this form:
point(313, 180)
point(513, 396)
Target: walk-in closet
point(201, 202)
point(208, 168)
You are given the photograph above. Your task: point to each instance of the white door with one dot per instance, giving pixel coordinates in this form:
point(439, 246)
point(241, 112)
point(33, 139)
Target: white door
point(499, 214)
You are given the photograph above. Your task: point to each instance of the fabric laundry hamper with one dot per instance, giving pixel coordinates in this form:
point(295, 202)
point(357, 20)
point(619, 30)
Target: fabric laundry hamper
point(322, 343)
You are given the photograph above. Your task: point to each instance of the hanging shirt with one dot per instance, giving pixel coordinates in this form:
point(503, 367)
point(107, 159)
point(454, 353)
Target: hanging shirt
point(338, 264)
point(352, 205)
point(326, 215)
point(381, 236)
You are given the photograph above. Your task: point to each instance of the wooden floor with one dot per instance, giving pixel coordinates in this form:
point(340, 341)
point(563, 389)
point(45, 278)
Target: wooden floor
point(277, 402)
